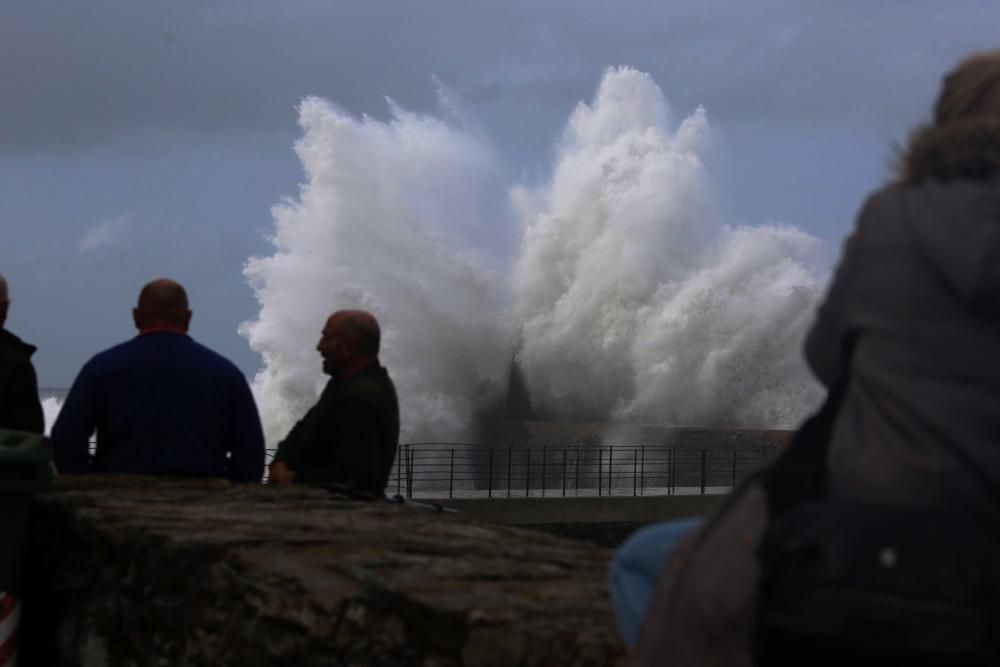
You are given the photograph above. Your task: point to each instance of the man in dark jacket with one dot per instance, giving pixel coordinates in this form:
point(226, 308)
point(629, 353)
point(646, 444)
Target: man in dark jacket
point(161, 403)
point(20, 409)
point(350, 436)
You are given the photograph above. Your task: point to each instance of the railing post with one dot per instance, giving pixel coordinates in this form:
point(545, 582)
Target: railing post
point(611, 463)
point(733, 486)
point(489, 485)
point(673, 471)
point(576, 482)
point(642, 474)
point(451, 475)
point(399, 474)
point(564, 473)
point(527, 473)
point(543, 470)
point(703, 471)
point(409, 472)
point(670, 470)
point(635, 472)
point(600, 471)
point(509, 454)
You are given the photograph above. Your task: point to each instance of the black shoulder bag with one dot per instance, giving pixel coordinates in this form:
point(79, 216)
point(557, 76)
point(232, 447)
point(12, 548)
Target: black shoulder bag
point(844, 581)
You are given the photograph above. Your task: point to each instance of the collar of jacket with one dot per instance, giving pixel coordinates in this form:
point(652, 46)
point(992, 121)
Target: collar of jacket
point(7, 338)
point(153, 330)
point(364, 366)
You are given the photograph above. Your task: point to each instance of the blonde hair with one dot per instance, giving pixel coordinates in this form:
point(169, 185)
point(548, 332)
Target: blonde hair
point(964, 139)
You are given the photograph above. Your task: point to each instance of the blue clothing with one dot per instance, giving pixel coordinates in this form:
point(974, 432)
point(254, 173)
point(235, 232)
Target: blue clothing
point(161, 404)
point(637, 566)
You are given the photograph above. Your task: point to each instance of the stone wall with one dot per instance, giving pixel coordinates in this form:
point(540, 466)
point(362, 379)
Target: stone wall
point(135, 571)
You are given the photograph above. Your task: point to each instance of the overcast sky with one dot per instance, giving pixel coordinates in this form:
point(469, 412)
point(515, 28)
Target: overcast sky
point(140, 139)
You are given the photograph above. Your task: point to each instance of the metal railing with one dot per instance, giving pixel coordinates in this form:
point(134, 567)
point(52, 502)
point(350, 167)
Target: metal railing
point(453, 470)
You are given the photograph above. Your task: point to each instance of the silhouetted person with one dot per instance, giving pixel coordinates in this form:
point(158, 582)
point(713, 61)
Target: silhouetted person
point(20, 409)
point(350, 436)
point(908, 342)
point(161, 403)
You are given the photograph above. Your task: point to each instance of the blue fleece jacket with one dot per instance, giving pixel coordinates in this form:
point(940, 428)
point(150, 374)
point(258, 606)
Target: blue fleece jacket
point(161, 404)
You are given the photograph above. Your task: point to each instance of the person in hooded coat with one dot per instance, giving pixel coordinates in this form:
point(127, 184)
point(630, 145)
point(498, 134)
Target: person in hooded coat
point(20, 408)
point(917, 291)
point(919, 288)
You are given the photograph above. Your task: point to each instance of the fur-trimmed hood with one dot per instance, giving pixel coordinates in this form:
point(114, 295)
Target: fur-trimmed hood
point(969, 149)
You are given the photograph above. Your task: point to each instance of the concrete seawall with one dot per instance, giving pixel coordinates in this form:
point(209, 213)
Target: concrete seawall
point(609, 509)
point(606, 521)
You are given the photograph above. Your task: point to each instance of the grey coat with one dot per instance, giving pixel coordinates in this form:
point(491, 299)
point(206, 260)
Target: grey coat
point(918, 290)
point(918, 287)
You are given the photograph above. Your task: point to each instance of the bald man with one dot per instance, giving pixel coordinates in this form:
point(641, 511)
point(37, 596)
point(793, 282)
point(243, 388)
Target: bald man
point(161, 403)
point(20, 409)
point(350, 436)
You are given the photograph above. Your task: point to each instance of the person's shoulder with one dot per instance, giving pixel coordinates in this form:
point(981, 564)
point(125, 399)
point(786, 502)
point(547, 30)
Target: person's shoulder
point(929, 207)
point(957, 199)
point(216, 360)
point(883, 202)
point(14, 346)
point(9, 353)
point(880, 222)
point(371, 384)
point(12, 358)
point(113, 355)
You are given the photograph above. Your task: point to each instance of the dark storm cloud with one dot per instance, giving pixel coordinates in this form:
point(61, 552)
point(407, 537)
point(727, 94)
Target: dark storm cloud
point(75, 74)
point(150, 137)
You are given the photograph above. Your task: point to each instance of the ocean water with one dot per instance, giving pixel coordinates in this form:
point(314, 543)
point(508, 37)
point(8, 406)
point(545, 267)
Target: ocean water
point(52, 399)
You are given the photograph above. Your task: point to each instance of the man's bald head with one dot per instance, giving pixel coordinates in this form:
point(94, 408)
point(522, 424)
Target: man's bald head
point(360, 324)
point(4, 300)
point(162, 303)
point(350, 341)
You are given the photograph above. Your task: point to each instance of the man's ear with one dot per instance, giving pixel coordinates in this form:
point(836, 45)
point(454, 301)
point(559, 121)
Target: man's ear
point(4, 305)
point(187, 320)
point(136, 318)
point(350, 344)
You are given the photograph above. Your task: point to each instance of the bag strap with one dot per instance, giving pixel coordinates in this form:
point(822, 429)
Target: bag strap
point(799, 474)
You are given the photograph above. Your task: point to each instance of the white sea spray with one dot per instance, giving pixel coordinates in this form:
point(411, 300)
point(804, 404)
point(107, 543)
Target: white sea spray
point(628, 298)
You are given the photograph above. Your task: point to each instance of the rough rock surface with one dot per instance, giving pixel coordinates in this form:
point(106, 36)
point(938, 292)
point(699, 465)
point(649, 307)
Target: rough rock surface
point(155, 572)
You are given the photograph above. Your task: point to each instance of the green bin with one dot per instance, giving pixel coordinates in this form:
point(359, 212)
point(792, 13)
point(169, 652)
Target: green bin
point(25, 469)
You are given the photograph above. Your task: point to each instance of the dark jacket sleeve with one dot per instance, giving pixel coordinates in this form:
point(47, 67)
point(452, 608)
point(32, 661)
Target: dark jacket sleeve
point(75, 424)
point(246, 445)
point(290, 449)
point(357, 456)
point(23, 410)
